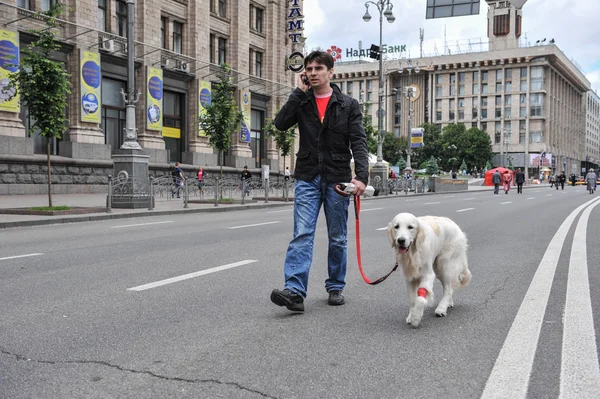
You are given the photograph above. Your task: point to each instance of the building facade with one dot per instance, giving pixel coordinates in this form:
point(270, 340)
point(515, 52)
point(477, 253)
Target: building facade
point(592, 132)
point(182, 42)
point(530, 100)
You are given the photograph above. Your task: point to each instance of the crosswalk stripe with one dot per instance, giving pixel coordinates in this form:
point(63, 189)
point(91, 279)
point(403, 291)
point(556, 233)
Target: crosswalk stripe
point(510, 375)
point(579, 374)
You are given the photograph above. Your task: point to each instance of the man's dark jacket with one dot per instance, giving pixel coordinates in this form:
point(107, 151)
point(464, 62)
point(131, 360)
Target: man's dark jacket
point(325, 147)
point(520, 177)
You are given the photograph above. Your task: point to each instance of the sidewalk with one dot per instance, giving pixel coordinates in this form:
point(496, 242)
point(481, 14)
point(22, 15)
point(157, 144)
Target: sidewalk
point(162, 207)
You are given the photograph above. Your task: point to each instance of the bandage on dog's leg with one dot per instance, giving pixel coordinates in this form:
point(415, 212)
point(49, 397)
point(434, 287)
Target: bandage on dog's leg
point(422, 292)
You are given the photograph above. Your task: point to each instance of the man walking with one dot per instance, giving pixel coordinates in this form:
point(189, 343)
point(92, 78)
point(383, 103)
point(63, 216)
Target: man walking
point(496, 179)
point(331, 134)
point(519, 179)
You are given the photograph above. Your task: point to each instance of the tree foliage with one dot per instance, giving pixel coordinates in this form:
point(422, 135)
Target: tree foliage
point(393, 148)
point(43, 85)
point(432, 166)
point(370, 130)
point(284, 139)
point(222, 117)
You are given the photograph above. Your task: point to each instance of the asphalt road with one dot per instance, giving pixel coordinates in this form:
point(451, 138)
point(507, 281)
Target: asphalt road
point(178, 307)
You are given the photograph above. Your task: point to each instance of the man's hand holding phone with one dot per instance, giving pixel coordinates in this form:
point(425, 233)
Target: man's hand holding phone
point(303, 82)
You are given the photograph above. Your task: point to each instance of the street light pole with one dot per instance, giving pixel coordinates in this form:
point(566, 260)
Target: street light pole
point(131, 98)
point(409, 95)
point(384, 7)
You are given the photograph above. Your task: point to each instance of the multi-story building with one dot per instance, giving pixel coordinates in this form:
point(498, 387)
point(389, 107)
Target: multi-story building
point(529, 99)
point(592, 132)
point(186, 40)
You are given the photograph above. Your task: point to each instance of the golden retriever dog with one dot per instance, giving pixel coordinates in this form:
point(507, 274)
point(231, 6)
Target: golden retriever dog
point(428, 247)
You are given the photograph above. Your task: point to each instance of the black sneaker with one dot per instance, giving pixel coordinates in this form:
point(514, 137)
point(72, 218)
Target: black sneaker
point(335, 298)
point(289, 299)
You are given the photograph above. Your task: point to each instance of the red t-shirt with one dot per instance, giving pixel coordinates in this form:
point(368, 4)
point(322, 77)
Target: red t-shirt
point(322, 102)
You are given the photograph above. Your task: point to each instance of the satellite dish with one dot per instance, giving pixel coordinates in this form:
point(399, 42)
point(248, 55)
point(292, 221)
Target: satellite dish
point(518, 3)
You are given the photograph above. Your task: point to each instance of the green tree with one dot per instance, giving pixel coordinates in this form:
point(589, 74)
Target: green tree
point(393, 148)
point(43, 85)
point(463, 165)
point(432, 166)
point(222, 116)
point(488, 165)
point(473, 146)
point(284, 139)
point(401, 164)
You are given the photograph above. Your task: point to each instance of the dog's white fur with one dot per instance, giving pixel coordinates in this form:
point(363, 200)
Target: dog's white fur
point(427, 247)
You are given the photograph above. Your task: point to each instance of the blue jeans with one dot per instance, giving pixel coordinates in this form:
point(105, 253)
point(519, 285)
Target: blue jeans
point(308, 198)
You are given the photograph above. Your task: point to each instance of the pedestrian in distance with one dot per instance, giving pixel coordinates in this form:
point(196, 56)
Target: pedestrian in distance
point(590, 179)
point(330, 133)
point(562, 178)
point(453, 174)
point(246, 176)
point(496, 179)
point(201, 176)
point(573, 179)
point(178, 180)
point(287, 173)
point(519, 179)
point(507, 180)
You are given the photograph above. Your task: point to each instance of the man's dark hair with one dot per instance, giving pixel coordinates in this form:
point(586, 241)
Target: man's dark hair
point(320, 57)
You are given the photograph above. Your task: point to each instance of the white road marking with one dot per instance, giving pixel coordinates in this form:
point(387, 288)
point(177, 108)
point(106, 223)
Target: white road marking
point(382, 228)
point(252, 225)
point(548, 195)
point(20, 256)
point(285, 210)
point(372, 209)
point(413, 199)
point(579, 374)
point(466, 199)
point(141, 224)
point(466, 209)
point(507, 202)
point(190, 275)
point(530, 198)
point(510, 376)
point(431, 203)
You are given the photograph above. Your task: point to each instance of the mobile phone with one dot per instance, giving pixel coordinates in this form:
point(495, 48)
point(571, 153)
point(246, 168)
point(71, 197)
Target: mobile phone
point(305, 80)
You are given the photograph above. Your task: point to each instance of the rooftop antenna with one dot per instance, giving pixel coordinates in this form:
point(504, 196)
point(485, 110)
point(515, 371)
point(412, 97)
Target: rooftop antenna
point(435, 49)
point(421, 37)
point(359, 49)
point(445, 42)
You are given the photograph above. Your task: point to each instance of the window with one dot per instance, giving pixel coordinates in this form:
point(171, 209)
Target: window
point(523, 99)
point(507, 87)
point(24, 4)
point(173, 119)
point(524, 73)
point(484, 126)
point(397, 114)
point(461, 77)
point(101, 15)
point(498, 100)
point(484, 76)
point(258, 60)
point(536, 104)
point(452, 90)
point(484, 101)
point(438, 79)
point(498, 113)
point(536, 137)
point(507, 113)
point(484, 88)
point(461, 103)
point(350, 84)
point(498, 87)
point(461, 90)
point(211, 49)
point(370, 85)
point(497, 134)
point(507, 100)
point(48, 4)
point(113, 112)
point(461, 114)
point(438, 115)
point(499, 74)
point(475, 76)
point(178, 37)
point(452, 78)
point(451, 115)
point(484, 113)
point(438, 104)
point(163, 32)
point(256, 18)
point(222, 49)
point(257, 138)
point(475, 88)
point(522, 131)
point(508, 73)
point(121, 18)
point(537, 78)
point(522, 112)
point(475, 113)
point(523, 86)
point(438, 91)
point(223, 8)
point(452, 104)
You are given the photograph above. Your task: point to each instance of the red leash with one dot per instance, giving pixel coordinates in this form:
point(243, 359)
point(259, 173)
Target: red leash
point(358, 257)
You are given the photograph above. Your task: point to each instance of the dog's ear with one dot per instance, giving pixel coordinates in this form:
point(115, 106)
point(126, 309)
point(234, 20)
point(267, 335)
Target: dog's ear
point(390, 231)
point(419, 236)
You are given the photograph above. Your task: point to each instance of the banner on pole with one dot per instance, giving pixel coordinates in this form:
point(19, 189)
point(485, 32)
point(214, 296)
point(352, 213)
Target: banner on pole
point(154, 104)
point(9, 63)
point(204, 100)
point(90, 79)
point(416, 138)
point(245, 108)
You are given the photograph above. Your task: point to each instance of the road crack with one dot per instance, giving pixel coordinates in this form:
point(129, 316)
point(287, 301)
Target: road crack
point(146, 372)
point(497, 290)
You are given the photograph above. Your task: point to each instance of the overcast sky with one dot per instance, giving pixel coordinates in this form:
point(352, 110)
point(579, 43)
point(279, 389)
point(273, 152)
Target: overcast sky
point(574, 24)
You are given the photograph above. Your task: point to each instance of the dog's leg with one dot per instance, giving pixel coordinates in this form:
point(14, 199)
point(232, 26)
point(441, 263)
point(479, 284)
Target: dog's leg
point(411, 288)
point(446, 301)
point(421, 301)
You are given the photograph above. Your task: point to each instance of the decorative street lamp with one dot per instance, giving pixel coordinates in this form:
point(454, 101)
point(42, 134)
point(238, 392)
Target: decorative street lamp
point(385, 9)
point(410, 94)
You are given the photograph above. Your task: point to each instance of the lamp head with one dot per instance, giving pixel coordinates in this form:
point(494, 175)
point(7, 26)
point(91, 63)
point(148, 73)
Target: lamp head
point(367, 16)
point(388, 13)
